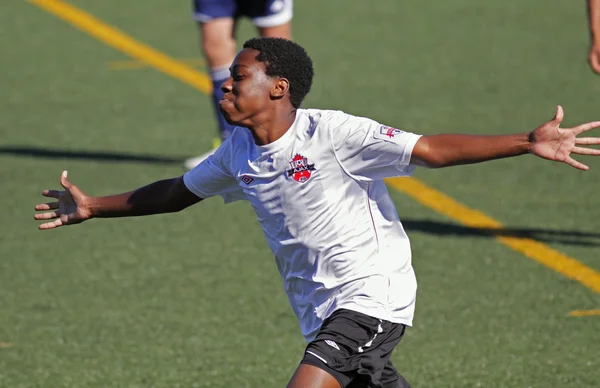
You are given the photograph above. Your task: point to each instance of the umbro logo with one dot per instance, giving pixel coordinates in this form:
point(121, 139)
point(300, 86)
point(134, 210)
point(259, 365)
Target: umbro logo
point(332, 344)
point(247, 179)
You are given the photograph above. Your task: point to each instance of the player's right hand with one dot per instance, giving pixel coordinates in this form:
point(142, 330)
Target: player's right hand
point(594, 57)
point(550, 141)
point(71, 208)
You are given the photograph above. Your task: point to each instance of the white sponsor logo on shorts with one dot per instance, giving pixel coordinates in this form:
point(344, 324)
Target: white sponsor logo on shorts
point(332, 344)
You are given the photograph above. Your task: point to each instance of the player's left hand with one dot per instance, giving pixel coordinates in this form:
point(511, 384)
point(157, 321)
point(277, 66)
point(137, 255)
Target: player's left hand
point(551, 142)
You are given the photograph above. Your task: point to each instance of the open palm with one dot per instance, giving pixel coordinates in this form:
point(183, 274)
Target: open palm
point(71, 207)
point(551, 142)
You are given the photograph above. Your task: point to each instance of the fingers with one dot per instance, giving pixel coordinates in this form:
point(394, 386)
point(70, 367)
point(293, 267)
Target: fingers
point(585, 151)
point(560, 114)
point(52, 193)
point(587, 140)
point(586, 127)
point(63, 180)
point(595, 61)
point(46, 216)
point(50, 225)
point(47, 206)
point(572, 162)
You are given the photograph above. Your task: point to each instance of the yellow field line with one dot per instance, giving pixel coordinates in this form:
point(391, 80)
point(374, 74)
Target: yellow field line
point(535, 250)
point(135, 64)
point(123, 42)
point(412, 187)
point(584, 313)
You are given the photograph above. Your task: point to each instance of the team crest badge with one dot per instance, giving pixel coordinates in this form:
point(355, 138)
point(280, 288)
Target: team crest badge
point(300, 170)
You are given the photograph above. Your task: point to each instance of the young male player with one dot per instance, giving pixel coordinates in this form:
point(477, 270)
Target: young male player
point(315, 179)
point(217, 21)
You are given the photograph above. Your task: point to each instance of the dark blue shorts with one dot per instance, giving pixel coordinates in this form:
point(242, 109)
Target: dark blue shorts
point(264, 13)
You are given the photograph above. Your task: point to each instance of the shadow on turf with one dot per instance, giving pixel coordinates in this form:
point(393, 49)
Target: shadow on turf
point(102, 156)
point(570, 237)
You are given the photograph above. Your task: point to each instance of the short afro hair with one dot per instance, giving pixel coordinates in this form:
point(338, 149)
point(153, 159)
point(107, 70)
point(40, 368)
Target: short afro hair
point(286, 59)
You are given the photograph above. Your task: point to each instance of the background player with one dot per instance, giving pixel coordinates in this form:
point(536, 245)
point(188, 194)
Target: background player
point(217, 23)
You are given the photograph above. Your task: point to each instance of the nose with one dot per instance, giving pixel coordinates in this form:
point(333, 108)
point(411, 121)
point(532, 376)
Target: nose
point(226, 86)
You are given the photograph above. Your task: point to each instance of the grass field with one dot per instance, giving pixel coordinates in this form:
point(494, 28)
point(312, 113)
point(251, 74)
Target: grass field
point(194, 299)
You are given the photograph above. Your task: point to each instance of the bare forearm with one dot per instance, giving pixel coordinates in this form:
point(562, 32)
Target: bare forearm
point(594, 15)
point(155, 198)
point(451, 150)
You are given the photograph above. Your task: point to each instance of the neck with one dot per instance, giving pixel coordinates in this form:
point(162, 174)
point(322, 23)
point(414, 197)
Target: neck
point(272, 128)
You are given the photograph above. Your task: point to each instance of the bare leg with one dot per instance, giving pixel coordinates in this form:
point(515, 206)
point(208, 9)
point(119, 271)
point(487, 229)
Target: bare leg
point(309, 376)
point(218, 42)
point(219, 47)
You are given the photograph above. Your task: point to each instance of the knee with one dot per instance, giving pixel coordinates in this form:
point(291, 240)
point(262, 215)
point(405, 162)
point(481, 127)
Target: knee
point(219, 46)
point(219, 50)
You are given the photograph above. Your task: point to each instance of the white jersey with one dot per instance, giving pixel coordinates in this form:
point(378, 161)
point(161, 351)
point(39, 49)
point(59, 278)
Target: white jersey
point(325, 211)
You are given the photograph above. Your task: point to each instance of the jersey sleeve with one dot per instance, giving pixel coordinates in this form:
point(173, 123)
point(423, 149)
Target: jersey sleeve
point(213, 177)
point(368, 150)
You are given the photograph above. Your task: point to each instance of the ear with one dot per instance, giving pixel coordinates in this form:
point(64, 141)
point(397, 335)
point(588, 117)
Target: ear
point(280, 89)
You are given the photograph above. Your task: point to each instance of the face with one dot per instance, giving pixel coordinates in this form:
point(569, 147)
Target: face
point(248, 90)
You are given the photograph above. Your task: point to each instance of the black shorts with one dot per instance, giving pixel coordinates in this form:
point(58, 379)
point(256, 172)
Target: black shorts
point(355, 349)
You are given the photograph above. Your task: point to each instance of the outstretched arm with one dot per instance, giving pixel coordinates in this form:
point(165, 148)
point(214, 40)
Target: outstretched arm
point(73, 206)
point(548, 141)
point(594, 20)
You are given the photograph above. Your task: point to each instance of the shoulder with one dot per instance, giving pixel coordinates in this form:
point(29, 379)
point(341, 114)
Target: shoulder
point(240, 135)
point(342, 126)
point(332, 120)
point(324, 115)
point(239, 140)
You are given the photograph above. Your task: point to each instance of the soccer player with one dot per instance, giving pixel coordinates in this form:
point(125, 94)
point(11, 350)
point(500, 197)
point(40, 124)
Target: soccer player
point(217, 21)
point(594, 15)
point(315, 180)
